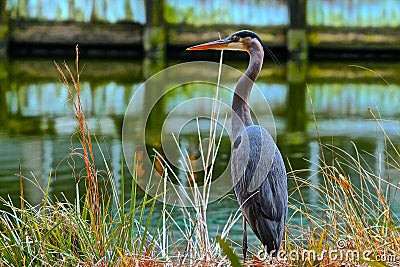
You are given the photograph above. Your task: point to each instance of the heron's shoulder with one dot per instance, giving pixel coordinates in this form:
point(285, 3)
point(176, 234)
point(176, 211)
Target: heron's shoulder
point(254, 138)
point(256, 129)
point(257, 133)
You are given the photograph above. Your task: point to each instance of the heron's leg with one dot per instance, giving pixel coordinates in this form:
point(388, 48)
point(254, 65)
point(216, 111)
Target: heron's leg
point(244, 239)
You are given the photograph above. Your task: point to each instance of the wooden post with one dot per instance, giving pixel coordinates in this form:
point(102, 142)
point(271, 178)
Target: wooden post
point(296, 116)
point(154, 35)
point(3, 29)
point(297, 33)
point(297, 67)
point(71, 9)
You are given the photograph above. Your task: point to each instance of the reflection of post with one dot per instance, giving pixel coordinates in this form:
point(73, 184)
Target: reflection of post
point(151, 66)
point(3, 106)
point(296, 114)
point(297, 35)
point(153, 112)
point(36, 158)
point(3, 88)
point(154, 36)
point(154, 89)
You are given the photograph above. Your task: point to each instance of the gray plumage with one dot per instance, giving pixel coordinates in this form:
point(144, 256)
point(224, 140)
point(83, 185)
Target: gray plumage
point(257, 167)
point(258, 170)
point(260, 186)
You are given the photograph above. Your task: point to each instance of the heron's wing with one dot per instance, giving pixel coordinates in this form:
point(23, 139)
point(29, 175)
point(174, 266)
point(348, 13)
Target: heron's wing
point(273, 195)
point(271, 203)
point(261, 186)
point(253, 154)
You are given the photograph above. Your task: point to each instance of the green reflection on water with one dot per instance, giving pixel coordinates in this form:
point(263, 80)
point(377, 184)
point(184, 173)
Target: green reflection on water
point(36, 124)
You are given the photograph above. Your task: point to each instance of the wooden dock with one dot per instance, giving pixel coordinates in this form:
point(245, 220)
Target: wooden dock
point(160, 32)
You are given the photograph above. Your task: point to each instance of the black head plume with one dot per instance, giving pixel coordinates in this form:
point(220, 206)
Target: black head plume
point(247, 33)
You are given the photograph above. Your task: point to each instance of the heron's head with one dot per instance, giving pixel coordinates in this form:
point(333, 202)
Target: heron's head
point(241, 40)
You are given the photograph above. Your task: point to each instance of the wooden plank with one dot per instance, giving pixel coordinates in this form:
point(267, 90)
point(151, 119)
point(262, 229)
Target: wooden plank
point(75, 33)
point(185, 35)
point(342, 38)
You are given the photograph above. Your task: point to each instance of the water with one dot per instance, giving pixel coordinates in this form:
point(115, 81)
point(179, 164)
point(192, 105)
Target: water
point(37, 123)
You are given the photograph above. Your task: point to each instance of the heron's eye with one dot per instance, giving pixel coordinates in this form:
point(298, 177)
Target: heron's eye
point(235, 38)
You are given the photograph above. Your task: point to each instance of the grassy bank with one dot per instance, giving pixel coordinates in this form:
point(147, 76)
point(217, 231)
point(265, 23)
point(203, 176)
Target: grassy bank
point(354, 223)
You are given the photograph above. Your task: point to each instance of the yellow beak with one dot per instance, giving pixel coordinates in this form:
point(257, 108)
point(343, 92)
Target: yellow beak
point(214, 45)
point(224, 44)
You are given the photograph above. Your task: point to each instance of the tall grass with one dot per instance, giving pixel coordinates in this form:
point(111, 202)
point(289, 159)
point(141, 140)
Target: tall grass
point(92, 185)
point(355, 218)
point(354, 214)
point(102, 230)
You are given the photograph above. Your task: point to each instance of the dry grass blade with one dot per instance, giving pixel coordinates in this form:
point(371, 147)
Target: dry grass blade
point(74, 91)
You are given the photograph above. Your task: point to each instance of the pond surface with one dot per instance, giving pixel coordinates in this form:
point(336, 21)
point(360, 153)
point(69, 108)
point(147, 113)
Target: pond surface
point(37, 124)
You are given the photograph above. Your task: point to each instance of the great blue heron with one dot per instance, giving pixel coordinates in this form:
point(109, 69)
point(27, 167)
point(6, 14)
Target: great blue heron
point(257, 167)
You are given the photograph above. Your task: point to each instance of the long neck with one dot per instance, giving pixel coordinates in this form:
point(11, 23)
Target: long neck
point(241, 116)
